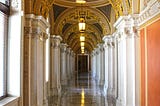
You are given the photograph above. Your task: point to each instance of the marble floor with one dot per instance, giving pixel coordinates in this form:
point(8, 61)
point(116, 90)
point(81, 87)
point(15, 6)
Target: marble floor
point(81, 91)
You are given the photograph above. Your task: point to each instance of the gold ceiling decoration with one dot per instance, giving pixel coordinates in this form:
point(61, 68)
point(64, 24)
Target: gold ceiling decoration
point(94, 16)
point(91, 3)
point(97, 23)
point(121, 7)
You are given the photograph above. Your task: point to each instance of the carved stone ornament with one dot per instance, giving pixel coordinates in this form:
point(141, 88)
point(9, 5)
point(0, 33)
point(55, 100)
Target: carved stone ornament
point(55, 44)
point(14, 4)
point(32, 30)
point(63, 48)
point(152, 9)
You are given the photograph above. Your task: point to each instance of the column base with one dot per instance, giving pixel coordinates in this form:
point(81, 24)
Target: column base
point(105, 90)
point(55, 91)
point(110, 92)
point(114, 93)
point(119, 102)
point(64, 82)
point(102, 82)
point(45, 102)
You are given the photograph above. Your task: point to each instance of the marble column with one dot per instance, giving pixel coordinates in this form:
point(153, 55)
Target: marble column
point(137, 68)
point(63, 64)
point(34, 60)
point(115, 64)
point(97, 65)
point(126, 28)
point(71, 64)
point(68, 64)
point(110, 66)
point(55, 84)
point(101, 67)
point(105, 39)
point(94, 64)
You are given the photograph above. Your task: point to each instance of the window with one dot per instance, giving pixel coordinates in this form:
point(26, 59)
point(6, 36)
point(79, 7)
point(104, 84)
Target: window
point(3, 48)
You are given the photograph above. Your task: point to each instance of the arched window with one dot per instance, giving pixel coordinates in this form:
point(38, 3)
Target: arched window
point(4, 13)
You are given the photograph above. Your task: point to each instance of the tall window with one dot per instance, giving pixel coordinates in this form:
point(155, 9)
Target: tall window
point(4, 11)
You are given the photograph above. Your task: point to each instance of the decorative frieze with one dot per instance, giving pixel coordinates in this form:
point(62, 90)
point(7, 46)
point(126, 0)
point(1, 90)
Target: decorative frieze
point(152, 9)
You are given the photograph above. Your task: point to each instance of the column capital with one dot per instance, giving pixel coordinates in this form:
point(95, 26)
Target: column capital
point(100, 46)
point(56, 37)
point(63, 47)
point(68, 50)
point(36, 27)
point(106, 37)
point(55, 41)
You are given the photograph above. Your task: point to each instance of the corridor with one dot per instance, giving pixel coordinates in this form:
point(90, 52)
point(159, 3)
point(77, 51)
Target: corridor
point(81, 91)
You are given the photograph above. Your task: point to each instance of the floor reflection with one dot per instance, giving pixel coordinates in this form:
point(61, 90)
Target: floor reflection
point(82, 91)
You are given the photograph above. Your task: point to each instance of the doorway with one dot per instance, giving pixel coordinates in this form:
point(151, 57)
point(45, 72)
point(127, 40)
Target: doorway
point(83, 62)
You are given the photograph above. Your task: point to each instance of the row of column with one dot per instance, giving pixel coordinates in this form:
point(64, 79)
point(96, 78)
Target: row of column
point(61, 62)
point(114, 63)
point(62, 65)
point(67, 64)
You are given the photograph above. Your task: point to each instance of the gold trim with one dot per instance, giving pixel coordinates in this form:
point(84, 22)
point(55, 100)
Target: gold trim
point(139, 4)
point(146, 68)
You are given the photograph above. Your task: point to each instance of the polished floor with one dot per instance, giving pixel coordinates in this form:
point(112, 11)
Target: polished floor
point(81, 91)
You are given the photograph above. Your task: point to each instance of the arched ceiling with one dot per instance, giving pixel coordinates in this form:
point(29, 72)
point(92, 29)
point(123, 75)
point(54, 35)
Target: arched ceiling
point(64, 17)
point(66, 20)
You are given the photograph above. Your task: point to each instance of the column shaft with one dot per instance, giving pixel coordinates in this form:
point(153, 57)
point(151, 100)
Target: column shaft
point(55, 86)
point(63, 65)
point(34, 60)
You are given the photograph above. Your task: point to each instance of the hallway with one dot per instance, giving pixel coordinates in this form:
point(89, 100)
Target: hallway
point(79, 52)
point(81, 91)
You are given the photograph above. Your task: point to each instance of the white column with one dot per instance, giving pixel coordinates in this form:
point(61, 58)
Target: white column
point(130, 56)
point(105, 38)
point(101, 66)
point(63, 64)
point(94, 63)
point(97, 65)
point(115, 68)
point(68, 64)
point(34, 60)
point(137, 68)
point(127, 68)
point(55, 87)
point(110, 66)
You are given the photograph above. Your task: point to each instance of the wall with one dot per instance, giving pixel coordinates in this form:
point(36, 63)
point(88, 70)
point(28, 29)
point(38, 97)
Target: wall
point(150, 64)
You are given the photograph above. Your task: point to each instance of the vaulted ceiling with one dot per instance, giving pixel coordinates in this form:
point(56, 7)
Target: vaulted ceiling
point(64, 17)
